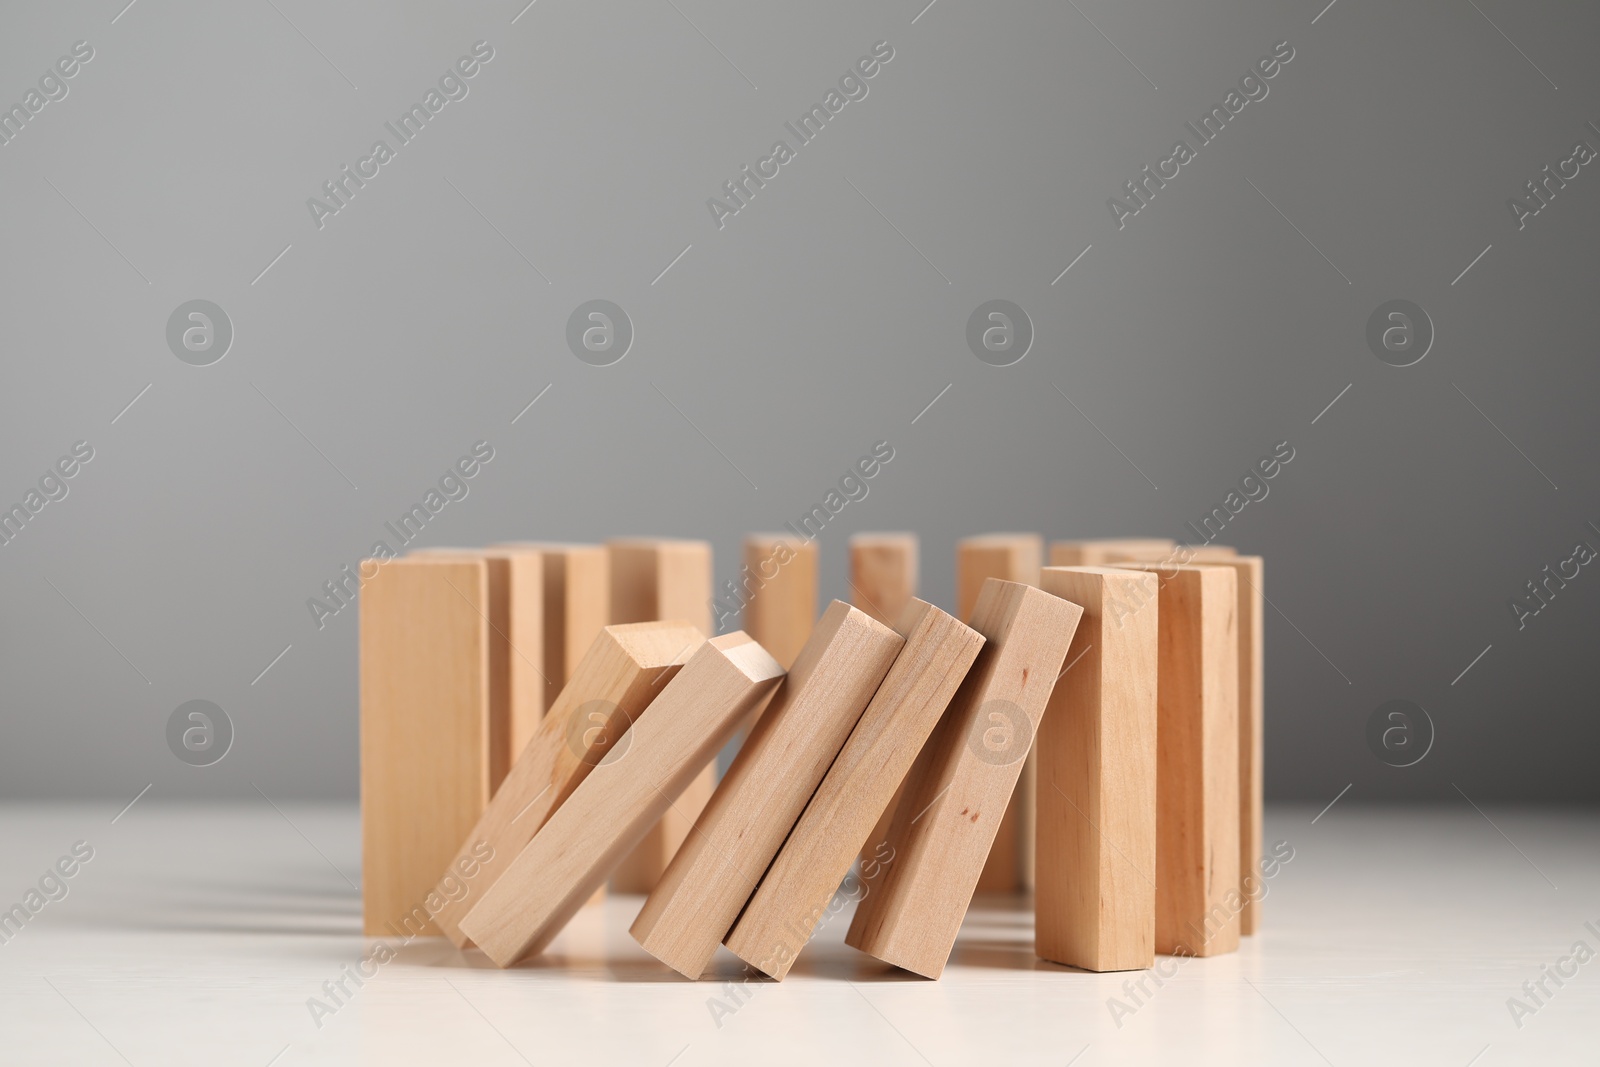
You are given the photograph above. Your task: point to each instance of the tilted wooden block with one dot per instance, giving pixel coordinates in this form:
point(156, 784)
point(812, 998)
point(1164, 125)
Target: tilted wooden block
point(1099, 553)
point(425, 727)
point(775, 773)
point(780, 587)
point(883, 574)
point(1010, 557)
point(959, 785)
point(625, 668)
point(779, 918)
point(577, 601)
point(1095, 900)
point(1198, 898)
point(723, 682)
point(662, 579)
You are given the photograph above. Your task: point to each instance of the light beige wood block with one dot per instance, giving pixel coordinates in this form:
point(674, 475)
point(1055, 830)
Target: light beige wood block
point(425, 729)
point(774, 775)
point(627, 666)
point(662, 579)
point(883, 574)
point(780, 590)
point(1198, 897)
point(1095, 898)
point(1010, 557)
point(799, 885)
point(725, 680)
point(577, 604)
point(960, 784)
point(1098, 553)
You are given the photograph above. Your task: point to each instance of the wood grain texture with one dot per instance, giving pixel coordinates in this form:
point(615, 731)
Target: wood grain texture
point(764, 792)
point(1095, 899)
point(883, 574)
point(959, 785)
point(662, 579)
point(1010, 557)
point(424, 693)
point(1098, 553)
point(1198, 898)
point(577, 604)
point(780, 579)
point(799, 885)
point(725, 680)
point(627, 666)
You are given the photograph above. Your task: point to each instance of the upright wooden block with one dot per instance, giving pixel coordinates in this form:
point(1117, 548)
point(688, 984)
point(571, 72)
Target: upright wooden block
point(1198, 898)
point(775, 773)
point(1013, 557)
point(1095, 899)
point(625, 668)
point(1099, 553)
point(960, 783)
point(577, 601)
point(883, 574)
point(723, 682)
point(779, 918)
point(424, 666)
point(662, 579)
point(780, 584)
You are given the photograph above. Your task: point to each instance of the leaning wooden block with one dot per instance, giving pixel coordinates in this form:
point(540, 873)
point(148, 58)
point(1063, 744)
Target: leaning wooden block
point(776, 772)
point(883, 574)
point(1010, 557)
point(1198, 898)
point(425, 730)
point(959, 785)
point(548, 881)
point(662, 579)
point(625, 668)
point(779, 918)
point(1095, 900)
point(779, 592)
point(1100, 552)
point(577, 601)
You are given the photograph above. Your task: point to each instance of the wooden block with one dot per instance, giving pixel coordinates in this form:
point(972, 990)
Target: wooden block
point(577, 602)
point(1198, 899)
point(959, 785)
point(775, 773)
point(1211, 553)
point(726, 680)
point(883, 574)
point(780, 583)
point(1095, 900)
point(779, 918)
point(625, 668)
point(424, 666)
point(1098, 553)
point(1011, 558)
point(662, 579)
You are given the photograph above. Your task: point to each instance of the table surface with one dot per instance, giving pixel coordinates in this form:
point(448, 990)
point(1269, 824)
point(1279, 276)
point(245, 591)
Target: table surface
point(209, 935)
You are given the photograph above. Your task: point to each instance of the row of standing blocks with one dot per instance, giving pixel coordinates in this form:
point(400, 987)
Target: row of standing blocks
point(537, 719)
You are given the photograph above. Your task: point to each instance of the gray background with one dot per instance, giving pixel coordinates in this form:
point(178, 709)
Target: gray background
point(411, 326)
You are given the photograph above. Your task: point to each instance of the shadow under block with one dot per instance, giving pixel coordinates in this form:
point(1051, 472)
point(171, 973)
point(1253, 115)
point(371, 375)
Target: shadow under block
point(765, 790)
point(725, 680)
point(1010, 557)
point(779, 918)
point(1198, 899)
point(1099, 553)
point(652, 579)
point(424, 681)
point(781, 606)
point(625, 668)
point(577, 603)
point(960, 783)
point(1095, 900)
point(883, 574)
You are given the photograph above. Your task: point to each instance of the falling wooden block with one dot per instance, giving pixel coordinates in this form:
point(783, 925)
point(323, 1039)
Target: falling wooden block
point(799, 885)
point(577, 602)
point(626, 667)
point(662, 579)
point(725, 680)
point(960, 784)
point(780, 591)
point(883, 574)
point(1198, 898)
point(1013, 557)
point(1095, 898)
point(424, 666)
point(1099, 553)
point(775, 773)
